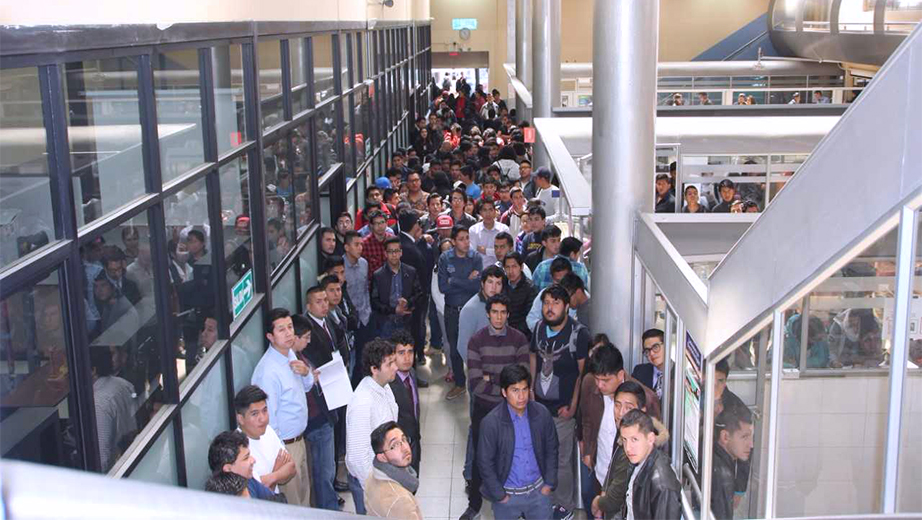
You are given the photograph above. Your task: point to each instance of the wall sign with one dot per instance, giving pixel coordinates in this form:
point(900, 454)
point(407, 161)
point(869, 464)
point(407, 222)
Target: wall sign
point(463, 23)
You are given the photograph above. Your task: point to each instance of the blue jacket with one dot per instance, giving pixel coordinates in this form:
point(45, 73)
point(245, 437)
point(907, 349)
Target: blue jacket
point(454, 276)
point(496, 445)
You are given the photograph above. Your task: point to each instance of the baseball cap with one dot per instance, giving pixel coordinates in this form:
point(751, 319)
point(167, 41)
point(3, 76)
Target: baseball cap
point(726, 183)
point(383, 183)
point(544, 173)
point(444, 222)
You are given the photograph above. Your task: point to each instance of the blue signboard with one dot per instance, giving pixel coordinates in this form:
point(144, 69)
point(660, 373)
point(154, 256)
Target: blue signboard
point(463, 23)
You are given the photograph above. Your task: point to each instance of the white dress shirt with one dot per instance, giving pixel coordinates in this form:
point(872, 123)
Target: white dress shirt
point(372, 405)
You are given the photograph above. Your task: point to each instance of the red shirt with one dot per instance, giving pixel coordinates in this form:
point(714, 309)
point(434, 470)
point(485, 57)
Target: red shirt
point(373, 252)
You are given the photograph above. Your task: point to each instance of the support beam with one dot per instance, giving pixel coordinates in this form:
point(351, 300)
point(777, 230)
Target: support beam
point(545, 65)
point(523, 52)
point(625, 51)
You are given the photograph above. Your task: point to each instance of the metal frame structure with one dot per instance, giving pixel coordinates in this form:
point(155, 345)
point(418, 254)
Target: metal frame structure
point(395, 85)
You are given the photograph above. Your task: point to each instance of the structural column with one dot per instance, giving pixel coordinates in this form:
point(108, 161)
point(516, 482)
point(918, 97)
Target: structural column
point(523, 51)
point(624, 58)
point(545, 47)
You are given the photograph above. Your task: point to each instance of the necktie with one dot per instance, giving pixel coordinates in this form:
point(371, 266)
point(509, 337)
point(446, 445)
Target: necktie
point(658, 387)
point(409, 385)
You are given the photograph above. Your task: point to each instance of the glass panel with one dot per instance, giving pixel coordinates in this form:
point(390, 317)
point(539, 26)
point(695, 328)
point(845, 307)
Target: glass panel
point(360, 116)
point(279, 197)
point(235, 217)
point(325, 124)
point(301, 150)
point(323, 67)
point(902, 16)
point(204, 416)
point(270, 83)
point(285, 294)
point(297, 51)
point(121, 322)
point(230, 123)
point(816, 15)
point(247, 349)
point(785, 15)
point(179, 112)
point(34, 384)
point(357, 41)
point(856, 15)
point(325, 208)
point(741, 410)
point(158, 466)
point(308, 264)
point(831, 449)
point(191, 270)
point(344, 60)
point(104, 129)
point(26, 218)
point(910, 462)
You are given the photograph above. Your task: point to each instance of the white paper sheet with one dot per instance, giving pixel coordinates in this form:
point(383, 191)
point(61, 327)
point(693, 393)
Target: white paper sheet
point(335, 383)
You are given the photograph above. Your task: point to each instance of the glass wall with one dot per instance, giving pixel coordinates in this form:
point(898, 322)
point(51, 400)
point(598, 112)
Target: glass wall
point(167, 280)
point(910, 461)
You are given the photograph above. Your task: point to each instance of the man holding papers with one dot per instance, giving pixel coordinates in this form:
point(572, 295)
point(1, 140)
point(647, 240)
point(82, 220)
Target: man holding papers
point(372, 405)
point(311, 349)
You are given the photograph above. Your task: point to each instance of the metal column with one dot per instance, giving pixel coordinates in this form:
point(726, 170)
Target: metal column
point(545, 66)
point(623, 146)
point(523, 30)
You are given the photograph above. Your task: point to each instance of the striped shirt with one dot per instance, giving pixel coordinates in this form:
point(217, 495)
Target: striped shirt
point(372, 405)
point(489, 351)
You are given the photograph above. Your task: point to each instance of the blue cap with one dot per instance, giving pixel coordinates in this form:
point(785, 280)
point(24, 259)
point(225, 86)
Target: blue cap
point(474, 191)
point(383, 183)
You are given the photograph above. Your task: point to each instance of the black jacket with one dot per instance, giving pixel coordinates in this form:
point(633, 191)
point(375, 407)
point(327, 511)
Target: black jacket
point(412, 256)
point(534, 258)
point(666, 204)
point(407, 413)
point(722, 484)
point(381, 289)
point(496, 445)
point(656, 492)
point(521, 298)
point(644, 373)
point(318, 353)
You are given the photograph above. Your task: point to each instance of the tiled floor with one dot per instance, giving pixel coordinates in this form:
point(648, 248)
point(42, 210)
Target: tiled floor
point(444, 441)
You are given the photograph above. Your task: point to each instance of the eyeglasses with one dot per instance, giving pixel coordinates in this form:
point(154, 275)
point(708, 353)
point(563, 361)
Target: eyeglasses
point(393, 251)
point(656, 347)
point(397, 443)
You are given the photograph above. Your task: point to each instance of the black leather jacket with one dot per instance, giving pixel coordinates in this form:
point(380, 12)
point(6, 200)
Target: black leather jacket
point(723, 483)
point(656, 492)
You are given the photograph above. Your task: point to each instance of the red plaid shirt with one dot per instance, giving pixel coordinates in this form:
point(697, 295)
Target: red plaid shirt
point(373, 252)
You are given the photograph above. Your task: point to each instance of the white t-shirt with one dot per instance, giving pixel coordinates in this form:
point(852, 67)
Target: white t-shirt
point(606, 439)
point(265, 450)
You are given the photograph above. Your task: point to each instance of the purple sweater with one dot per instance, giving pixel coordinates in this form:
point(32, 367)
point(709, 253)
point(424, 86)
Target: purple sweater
point(487, 354)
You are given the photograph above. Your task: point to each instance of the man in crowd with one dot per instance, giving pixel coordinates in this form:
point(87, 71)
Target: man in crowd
point(521, 292)
point(356, 273)
point(429, 221)
point(484, 233)
point(517, 452)
point(456, 211)
point(417, 254)
point(327, 243)
point(504, 244)
point(560, 267)
point(372, 405)
point(229, 453)
point(395, 291)
point(653, 490)
point(273, 464)
point(473, 315)
point(559, 347)
point(344, 224)
point(392, 483)
point(733, 442)
point(665, 200)
point(537, 221)
point(491, 348)
point(415, 196)
point(406, 392)
point(727, 196)
point(652, 374)
point(227, 484)
point(550, 248)
point(459, 280)
point(285, 379)
point(373, 244)
point(514, 216)
point(547, 192)
point(568, 248)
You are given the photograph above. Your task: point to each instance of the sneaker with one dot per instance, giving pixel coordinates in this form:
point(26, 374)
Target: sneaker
point(559, 512)
point(455, 392)
point(470, 514)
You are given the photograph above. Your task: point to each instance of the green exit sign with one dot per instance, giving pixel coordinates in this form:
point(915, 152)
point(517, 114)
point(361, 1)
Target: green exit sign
point(463, 23)
point(242, 293)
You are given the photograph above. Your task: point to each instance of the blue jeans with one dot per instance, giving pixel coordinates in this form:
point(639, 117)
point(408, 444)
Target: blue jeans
point(323, 467)
point(358, 495)
point(387, 326)
point(534, 505)
point(435, 330)
point(452, 315)
point(589, 489)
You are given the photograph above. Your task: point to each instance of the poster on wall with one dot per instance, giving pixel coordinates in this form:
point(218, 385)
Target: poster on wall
point(915, 319)
point(692, 401)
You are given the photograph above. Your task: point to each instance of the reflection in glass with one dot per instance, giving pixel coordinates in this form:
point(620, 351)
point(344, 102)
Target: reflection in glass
point(26, 218)
point(308, 265)
point(301, 149)
point(345, 58)
point(325, 125)
point(323, 66)
point(235, 217)
point(280, 225)
point(230, 123)
point(104, 129)
point(270, 83)
point(158, 466)
point(36, 424)
point(345, 106)
point(193, 279)
point(284, 294)
point(179, 112)
point(204, 416)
